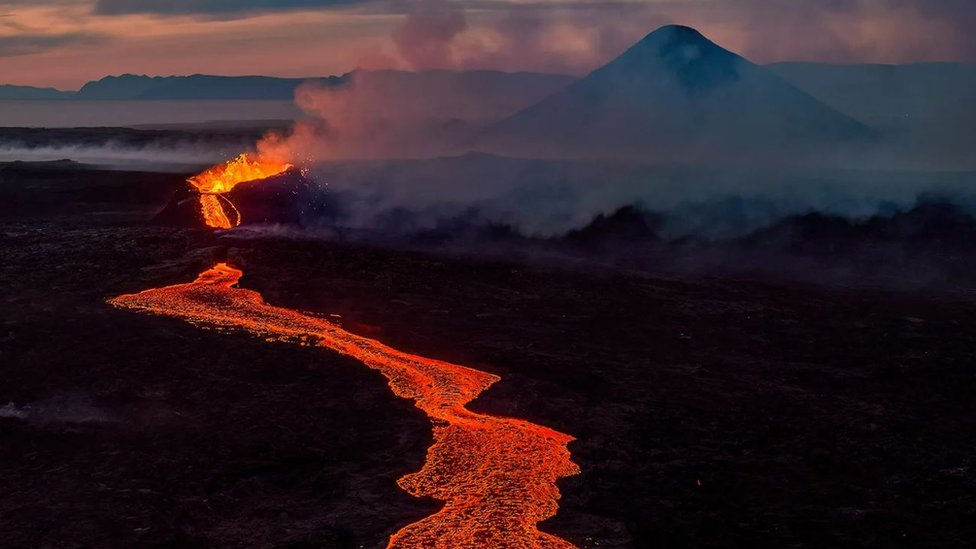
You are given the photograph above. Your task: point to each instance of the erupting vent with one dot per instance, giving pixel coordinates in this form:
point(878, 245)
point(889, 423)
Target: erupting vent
point(222, 178)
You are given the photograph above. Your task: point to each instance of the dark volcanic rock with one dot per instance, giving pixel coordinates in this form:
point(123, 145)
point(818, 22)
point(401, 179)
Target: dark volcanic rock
point(183, 209)
point(930, 225)
point(283, 199)
point(709, 411)
point(628, 225)
point(124, 430)
point(931, 245)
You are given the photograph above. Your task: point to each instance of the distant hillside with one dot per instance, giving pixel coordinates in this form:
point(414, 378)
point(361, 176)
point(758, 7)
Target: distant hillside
point(930, 100)
point(8, 91)
point(441, 91)
point(198, 86)
point(674, 91)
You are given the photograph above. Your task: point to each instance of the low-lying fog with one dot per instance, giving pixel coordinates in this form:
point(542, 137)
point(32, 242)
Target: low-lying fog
point(72, 114)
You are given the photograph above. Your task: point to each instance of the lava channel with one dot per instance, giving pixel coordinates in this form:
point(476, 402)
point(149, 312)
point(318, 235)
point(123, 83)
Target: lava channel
point(496, 476)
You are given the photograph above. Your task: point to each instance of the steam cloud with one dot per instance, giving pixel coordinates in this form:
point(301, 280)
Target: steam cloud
point(377, 118)
point(576, 37)
point(440, 34)
point(358, 120)
point(547, 199)
point(425, 39)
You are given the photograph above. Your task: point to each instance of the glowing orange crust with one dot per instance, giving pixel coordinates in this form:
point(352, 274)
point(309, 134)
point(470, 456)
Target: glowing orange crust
point(222, 178)
point(496, 476)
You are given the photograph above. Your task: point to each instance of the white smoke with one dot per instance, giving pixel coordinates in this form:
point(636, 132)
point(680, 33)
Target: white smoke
point(546, 198)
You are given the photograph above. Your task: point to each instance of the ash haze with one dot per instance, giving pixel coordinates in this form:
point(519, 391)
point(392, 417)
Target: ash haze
point(65, 43)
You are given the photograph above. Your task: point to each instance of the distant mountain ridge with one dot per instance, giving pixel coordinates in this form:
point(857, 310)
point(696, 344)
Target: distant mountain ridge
point(209, 87)
point(193, 87)
point(197, 87)
point(9, 91)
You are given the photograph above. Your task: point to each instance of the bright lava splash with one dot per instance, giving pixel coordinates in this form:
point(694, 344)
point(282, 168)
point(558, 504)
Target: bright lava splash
point(496, 476)
point(222, 179)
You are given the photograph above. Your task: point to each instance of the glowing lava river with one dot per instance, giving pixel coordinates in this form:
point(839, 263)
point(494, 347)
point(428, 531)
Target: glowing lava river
point(496, 476)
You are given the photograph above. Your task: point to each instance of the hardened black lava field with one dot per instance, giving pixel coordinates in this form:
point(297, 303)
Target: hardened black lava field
point(708, 410)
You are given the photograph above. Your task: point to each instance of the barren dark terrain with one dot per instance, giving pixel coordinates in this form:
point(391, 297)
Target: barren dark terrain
point(709, 411)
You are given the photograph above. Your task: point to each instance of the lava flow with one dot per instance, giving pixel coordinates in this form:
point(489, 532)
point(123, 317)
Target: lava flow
point(222, 179)
point(496, 476)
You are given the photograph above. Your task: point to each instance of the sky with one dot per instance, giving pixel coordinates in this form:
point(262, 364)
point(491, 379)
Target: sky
point(64, 43)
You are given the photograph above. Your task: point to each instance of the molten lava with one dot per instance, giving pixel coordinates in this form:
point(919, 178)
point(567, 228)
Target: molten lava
point(217, 213)
point(496, 476)
point(222, 179)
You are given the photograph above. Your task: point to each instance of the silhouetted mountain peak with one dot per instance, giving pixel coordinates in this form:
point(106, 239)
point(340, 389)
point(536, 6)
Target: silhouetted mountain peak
point(676, 92)
point(682, 55)
point(123, 86)
point(131, 76)
point(672, 36)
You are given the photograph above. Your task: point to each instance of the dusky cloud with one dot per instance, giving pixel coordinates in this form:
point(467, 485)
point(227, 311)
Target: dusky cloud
point(26, 44)
point(56, 42)
point(212, 7)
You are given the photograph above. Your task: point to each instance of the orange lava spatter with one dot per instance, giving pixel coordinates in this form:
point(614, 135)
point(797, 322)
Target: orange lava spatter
point(496, 476)
point(222, 178)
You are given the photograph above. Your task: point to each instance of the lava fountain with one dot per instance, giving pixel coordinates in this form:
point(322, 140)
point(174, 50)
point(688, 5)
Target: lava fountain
point(219, 212)
point(496, 476)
